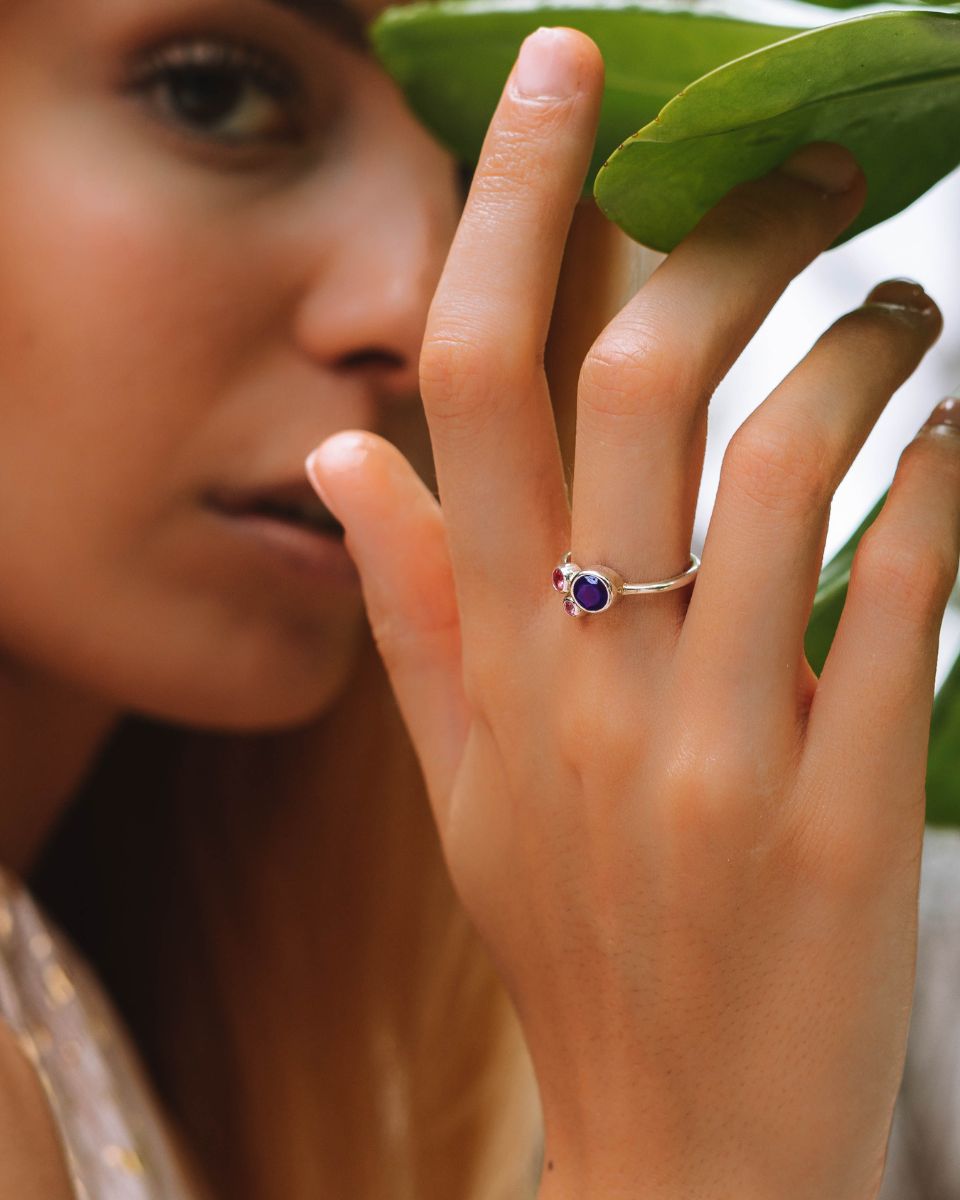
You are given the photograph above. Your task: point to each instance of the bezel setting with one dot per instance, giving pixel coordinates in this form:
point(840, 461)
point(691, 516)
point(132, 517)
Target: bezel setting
point(563, 575)
point(568, 575)
point(592, 580)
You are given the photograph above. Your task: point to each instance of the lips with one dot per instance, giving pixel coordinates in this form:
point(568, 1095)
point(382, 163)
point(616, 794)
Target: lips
point(293, 501)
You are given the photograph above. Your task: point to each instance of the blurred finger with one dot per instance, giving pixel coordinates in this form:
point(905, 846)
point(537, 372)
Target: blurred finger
point(395, 535)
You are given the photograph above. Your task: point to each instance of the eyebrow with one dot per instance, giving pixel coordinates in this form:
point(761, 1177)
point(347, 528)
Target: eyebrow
point(338, 17)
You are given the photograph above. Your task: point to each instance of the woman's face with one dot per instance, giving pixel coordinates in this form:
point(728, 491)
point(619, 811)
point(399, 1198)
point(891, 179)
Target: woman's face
point(220, 230)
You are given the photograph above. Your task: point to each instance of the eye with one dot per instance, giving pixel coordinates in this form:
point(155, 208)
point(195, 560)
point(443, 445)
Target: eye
point(220, 91)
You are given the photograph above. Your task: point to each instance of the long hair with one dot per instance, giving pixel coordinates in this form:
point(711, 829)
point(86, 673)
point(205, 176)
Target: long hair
point(272, 916)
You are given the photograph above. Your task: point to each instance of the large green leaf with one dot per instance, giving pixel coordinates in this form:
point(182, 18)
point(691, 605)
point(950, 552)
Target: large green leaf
point(452, 58)
point(943, 759)
point(885, 85)
point(720, 91)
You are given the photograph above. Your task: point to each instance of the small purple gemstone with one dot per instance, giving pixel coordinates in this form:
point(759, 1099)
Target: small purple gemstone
point(559, 580)
point(571, 608)
point(591, 592)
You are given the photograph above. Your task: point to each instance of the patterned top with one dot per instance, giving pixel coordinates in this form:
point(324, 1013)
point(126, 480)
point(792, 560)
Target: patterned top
point(116, 1143)
point(118, 1146)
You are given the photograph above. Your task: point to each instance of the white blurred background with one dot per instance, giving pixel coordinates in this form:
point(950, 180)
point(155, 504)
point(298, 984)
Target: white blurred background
point(922, 243)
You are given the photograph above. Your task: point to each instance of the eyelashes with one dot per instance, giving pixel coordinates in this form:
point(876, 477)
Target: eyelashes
point(220, 91)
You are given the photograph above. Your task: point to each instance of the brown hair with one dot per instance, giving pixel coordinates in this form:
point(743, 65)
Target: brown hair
point(273, 918)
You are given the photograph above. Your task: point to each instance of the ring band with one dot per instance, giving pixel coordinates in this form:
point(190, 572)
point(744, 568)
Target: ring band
point(595, 589)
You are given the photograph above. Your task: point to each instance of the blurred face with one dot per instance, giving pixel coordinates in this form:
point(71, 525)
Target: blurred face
point(220, 230)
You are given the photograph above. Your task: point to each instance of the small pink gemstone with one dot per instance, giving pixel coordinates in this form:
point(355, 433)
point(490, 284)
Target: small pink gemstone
point(571, 608)
point(559, 580)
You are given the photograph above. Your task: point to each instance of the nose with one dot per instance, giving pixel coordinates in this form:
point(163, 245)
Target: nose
point(375, 264)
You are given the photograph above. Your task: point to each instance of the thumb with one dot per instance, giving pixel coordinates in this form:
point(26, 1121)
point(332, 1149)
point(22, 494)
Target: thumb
point(396, 537)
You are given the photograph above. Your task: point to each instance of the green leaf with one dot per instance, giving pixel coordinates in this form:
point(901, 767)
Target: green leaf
point(720, 91)
point(885, 85)
point(452, 58)
point(831, 594)
point(943, 759)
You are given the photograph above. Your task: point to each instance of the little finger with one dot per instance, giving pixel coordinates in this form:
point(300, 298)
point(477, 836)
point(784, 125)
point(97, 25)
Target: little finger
point(762, 557)
point(870, 718)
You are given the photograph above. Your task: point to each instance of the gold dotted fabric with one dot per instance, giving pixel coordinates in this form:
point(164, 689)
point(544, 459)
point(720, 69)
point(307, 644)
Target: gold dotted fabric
point(109, 1119)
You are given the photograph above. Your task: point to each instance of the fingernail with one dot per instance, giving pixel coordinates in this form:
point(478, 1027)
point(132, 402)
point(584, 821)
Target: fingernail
point(547, 68)
point(311, 468)
point(902, 293)
point(945, 416)
point(827, 165)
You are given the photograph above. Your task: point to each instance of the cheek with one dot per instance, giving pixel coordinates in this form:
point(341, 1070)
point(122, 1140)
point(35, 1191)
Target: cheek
point(126, 315)
point(108, 358)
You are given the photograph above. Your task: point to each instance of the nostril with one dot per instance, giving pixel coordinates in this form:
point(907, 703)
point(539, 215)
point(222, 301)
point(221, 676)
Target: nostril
point(382, 360)
point(390, 374)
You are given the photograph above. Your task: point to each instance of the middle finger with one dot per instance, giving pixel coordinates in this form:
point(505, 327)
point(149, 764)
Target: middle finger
point(494, 438)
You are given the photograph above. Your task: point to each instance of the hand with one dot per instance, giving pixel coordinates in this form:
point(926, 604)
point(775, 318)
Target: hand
point(694, 863)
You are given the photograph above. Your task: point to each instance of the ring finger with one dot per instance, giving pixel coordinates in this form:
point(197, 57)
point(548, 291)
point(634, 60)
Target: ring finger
point(644, 388)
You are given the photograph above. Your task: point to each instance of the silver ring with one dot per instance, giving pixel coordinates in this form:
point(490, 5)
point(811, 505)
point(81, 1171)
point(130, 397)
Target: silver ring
point(595, 589)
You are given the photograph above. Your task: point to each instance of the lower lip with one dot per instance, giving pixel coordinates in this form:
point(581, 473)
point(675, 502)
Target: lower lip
point(317, 556)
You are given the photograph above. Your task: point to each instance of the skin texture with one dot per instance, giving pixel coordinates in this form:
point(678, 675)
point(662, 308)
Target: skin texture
point(176, 313)
point(694, 863)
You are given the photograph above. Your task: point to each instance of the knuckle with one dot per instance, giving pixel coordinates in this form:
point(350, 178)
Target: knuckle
point(708, 781)
point(596, 740)
point(832, 852)
point(709, 777)
point(779, 469)
point(631, 370)
point(713, 805)
point(464, 378)
point(908, 578)
point(447, 361)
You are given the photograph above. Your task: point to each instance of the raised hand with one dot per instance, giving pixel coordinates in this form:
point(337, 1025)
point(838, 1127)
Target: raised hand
point(694, 863)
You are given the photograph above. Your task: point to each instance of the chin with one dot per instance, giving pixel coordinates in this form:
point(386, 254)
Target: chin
point(256, 693)
point(220, 659)
point(261, 678)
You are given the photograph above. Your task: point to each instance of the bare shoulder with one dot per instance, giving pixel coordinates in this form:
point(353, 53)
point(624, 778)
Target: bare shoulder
point(32, 1161)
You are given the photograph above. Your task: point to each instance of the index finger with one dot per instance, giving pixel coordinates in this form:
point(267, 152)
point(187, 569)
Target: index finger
point(494, 438)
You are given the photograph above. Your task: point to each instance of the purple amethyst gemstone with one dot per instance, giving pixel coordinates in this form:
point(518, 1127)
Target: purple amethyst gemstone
point(591, 592)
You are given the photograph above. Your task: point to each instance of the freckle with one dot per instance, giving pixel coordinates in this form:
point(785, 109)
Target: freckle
point(550, 1165)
